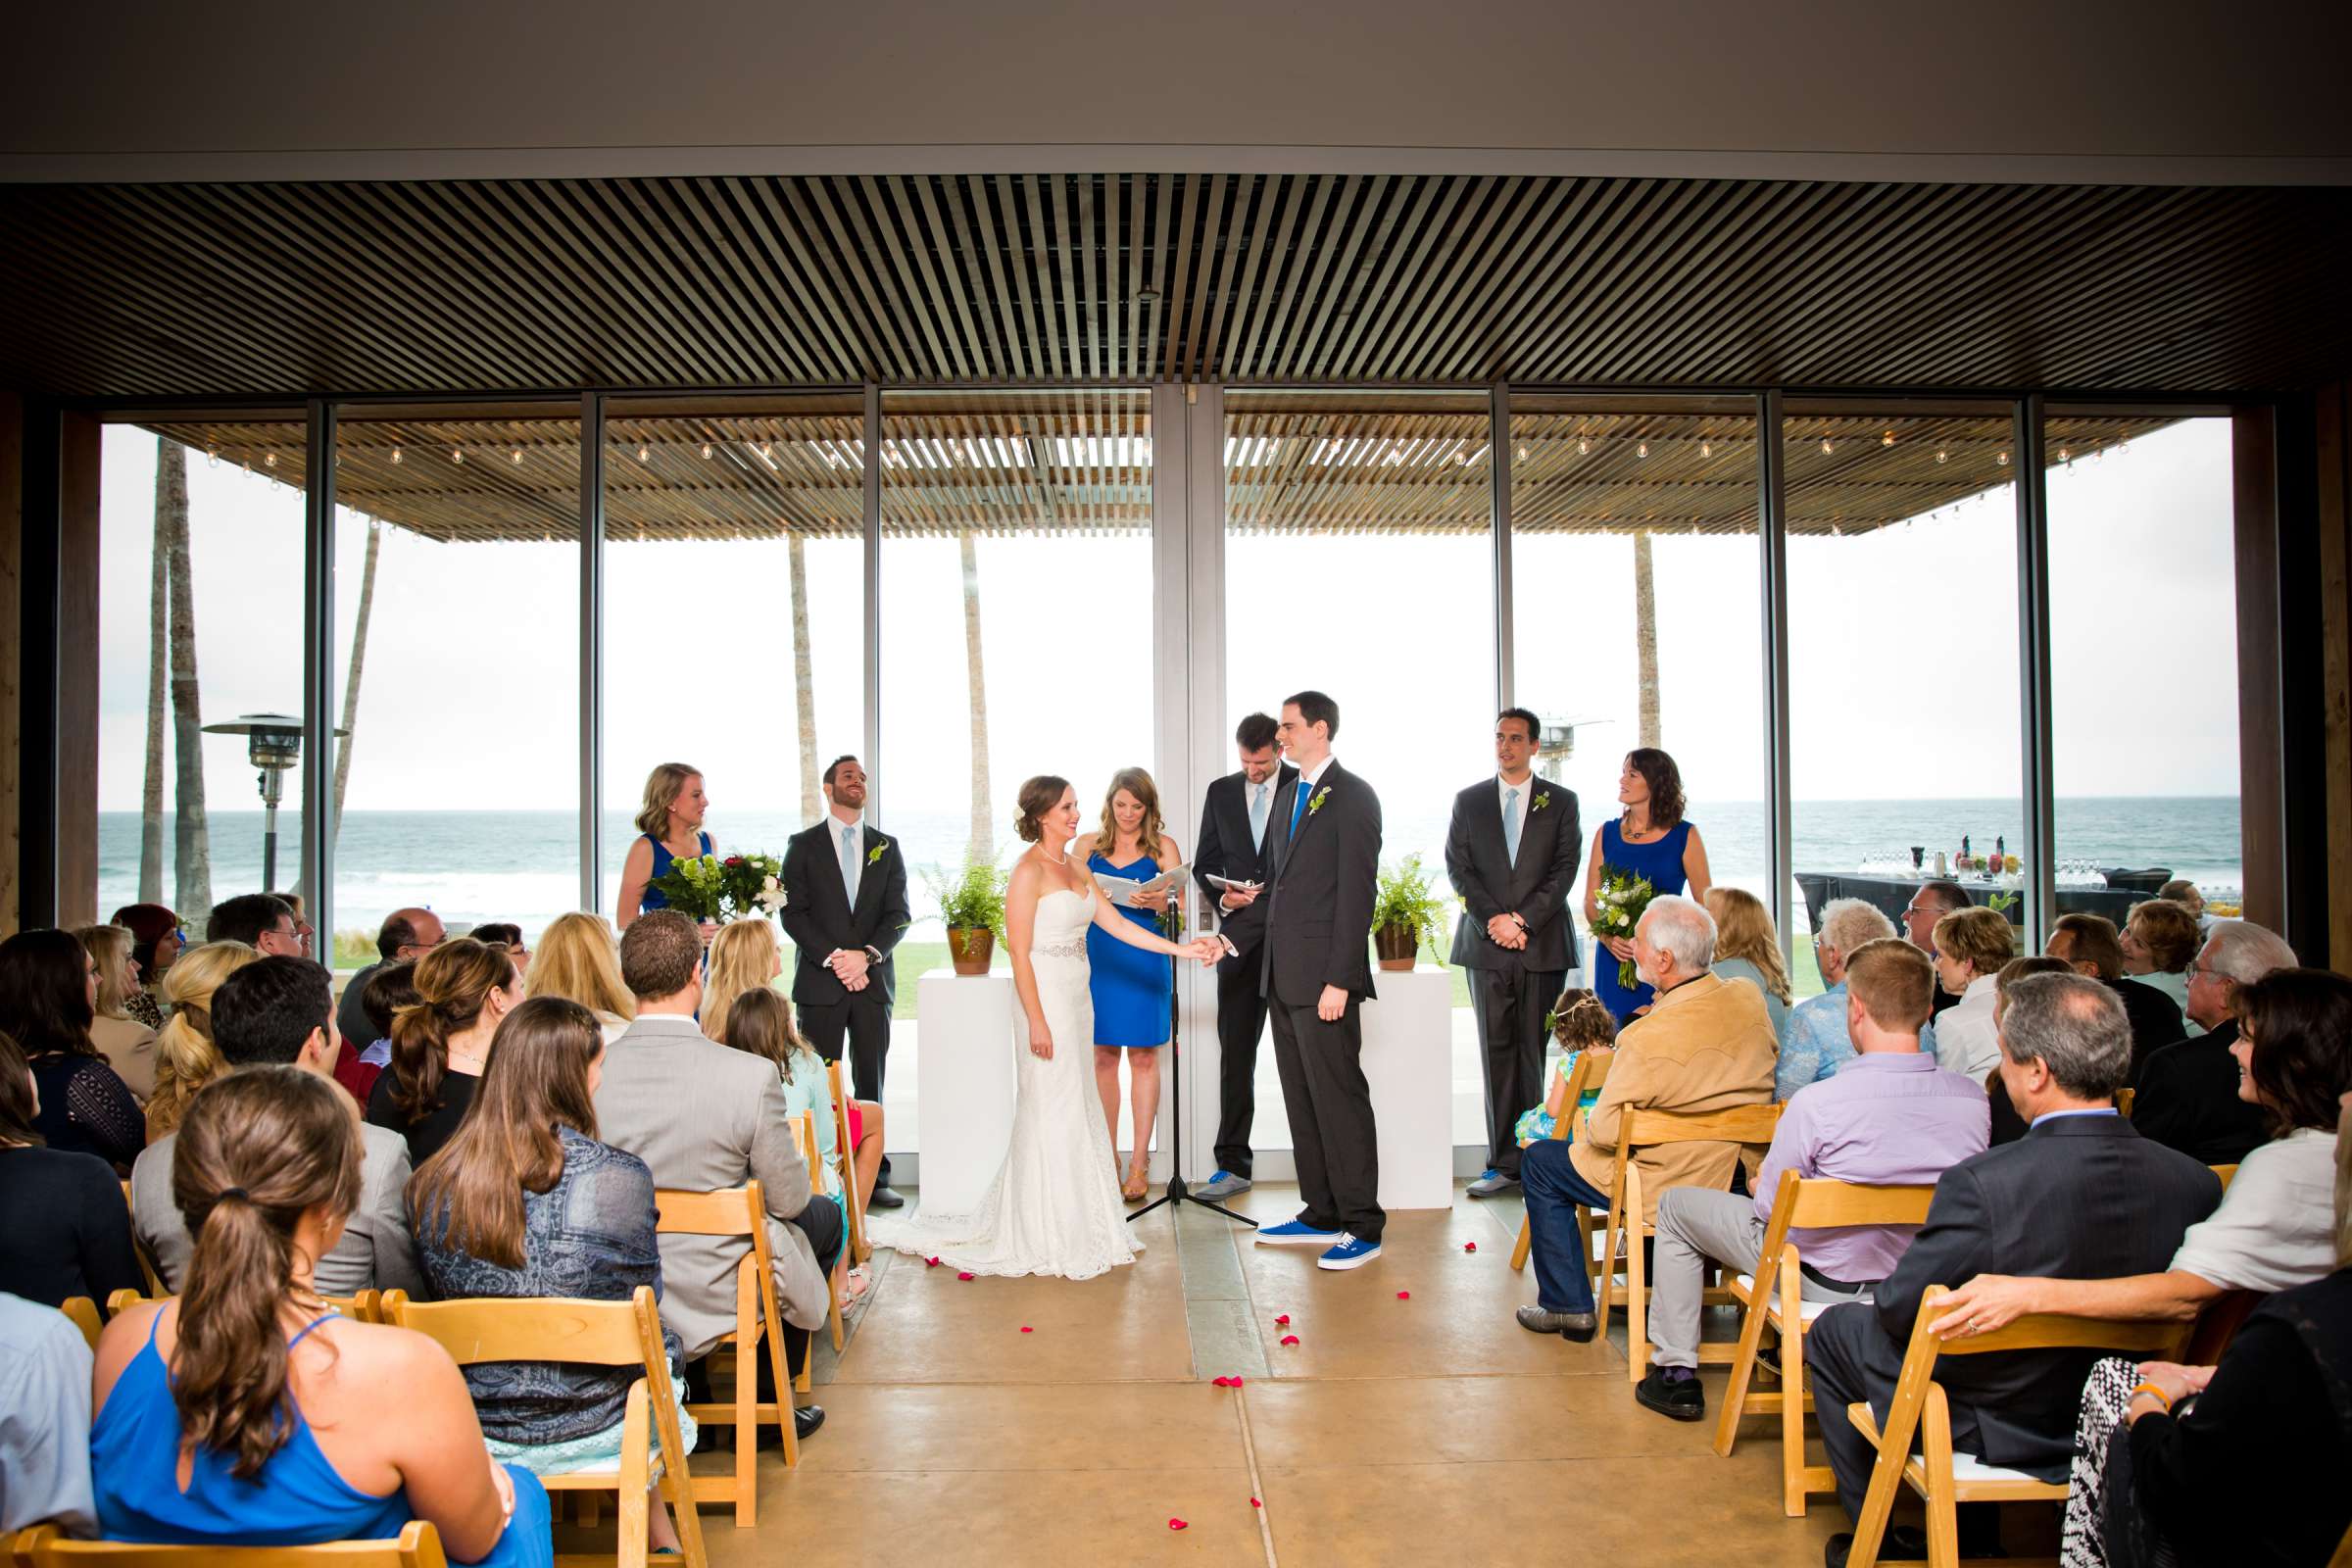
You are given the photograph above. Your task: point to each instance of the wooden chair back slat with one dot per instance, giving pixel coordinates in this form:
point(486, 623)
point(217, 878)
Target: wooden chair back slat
point(2226, 1173)
point(729, 1211)
point(1819, 1204)
point(1740, 1124)
point(83, 1314)
point(46, 1546)
point(527, 1329)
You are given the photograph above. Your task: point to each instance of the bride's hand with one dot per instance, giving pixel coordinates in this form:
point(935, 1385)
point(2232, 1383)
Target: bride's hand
point(1040, 1040)
point(1209, 949)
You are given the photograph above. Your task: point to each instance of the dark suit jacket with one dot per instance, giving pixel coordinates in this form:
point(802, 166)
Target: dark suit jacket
point(1319, 904)
point(1224, 848)
point(2187, 1099)
point(818, 918)
point(1537, 888)
point(2155, 1018)
point(2078, 1197)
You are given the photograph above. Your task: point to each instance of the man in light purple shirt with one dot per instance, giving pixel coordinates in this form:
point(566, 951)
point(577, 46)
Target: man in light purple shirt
point(1891, 1117)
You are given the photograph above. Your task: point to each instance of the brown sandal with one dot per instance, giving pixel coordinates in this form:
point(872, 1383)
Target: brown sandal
point(1137, 1186)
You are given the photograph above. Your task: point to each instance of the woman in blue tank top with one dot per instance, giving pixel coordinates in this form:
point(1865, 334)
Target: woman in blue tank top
point(1650, 839)
point(669, 824)
point(1132, 990)
point(247, 1413)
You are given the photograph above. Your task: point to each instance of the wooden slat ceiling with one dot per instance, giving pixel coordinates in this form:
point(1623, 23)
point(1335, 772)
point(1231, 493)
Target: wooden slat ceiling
point(202, 290)
point(1081, 462)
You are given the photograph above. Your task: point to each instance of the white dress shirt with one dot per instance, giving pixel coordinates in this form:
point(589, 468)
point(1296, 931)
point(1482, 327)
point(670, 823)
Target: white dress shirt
point(1966, 1042)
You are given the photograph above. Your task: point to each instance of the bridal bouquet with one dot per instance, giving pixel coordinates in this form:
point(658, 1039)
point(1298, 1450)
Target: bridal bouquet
point(705, 887)
point(754, 884)
point(1619, 902)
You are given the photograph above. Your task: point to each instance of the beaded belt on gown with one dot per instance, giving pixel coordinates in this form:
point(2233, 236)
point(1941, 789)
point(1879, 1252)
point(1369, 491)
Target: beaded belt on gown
point(1060, 950)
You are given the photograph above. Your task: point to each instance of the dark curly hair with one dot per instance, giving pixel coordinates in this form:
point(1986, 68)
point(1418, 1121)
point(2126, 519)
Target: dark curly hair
point(1038, 795)
point(1665, 781)
point(2300, 1021)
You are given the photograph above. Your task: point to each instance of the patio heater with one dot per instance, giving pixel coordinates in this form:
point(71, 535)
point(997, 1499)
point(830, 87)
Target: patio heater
point(272, 744)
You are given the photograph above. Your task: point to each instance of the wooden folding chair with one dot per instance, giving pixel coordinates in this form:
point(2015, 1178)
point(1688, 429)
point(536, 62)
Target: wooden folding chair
point(1920, 1409)
point(2227, 1173)
point(1629, 1212)
point(804, 1138)
point(846, 1161)
point(83, 1314)
point(625, 1333)
point(740, 1211)
point(419, 1545)
point(1775, 1299)
point(2343, 1552)
point(365, 1308)
point(1592, 1071)
point(2123, 1101)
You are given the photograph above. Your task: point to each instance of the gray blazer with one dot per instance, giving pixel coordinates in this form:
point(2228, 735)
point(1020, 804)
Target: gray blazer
point(704, 1118)
point(377, 1251)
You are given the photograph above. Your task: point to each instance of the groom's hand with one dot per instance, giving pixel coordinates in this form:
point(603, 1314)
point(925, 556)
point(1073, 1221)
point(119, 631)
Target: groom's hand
point(1330, 1004)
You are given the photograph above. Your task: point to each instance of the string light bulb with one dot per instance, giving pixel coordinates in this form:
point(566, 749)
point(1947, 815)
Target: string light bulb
point(1837, 533)
point(2001, 459)
point(1828, 446)
point(456, 455)
point(270, 459)
point(1887, 439)
point(1941, 456)
point(706, 451)
point(1707, 449)
point(1583, 446)
point(516, 457)
point(2066, 455)
point(767, 448)
point(643, 451)
point(396, 456)
point(1642, 449)
point(212, 457)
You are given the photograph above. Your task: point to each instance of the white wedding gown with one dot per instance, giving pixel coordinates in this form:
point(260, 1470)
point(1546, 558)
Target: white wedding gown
point(1054, 1206)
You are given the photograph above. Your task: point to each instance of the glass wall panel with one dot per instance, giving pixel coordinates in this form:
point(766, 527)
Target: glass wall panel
point(1359, 563)
point(2144, 655)
point(1904, 729)
point(1637, 610)
point(200, 625)
point(458, 653)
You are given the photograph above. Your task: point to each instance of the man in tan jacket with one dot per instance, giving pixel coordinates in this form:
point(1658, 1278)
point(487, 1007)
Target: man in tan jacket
point(1706, 1045)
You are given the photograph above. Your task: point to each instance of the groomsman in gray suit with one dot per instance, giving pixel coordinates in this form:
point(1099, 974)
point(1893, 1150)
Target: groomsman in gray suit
point(1511, 854)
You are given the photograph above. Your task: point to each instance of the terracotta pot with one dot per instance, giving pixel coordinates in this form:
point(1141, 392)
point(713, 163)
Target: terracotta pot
point(970, 948)
point(1396, 946)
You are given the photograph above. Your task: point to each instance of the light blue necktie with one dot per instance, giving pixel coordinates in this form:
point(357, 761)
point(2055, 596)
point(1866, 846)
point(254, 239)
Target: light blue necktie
point(1510, 825)
point(1257, 813)
point(849, 861)
point(1298, 807)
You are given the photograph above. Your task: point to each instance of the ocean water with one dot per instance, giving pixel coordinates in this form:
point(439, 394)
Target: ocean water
point(524, 866)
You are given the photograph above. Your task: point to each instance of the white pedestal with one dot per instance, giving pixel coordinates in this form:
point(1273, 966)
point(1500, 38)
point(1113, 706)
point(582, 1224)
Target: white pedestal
point(965, 1044)
point(1408, 1060)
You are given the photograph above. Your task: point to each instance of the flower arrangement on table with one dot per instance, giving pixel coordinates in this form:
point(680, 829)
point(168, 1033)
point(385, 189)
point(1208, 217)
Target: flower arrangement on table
point(1618, 903)
point(709, 887)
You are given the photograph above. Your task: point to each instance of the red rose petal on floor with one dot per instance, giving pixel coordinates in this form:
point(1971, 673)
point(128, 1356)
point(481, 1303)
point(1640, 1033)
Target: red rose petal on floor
point(1254, 1504)
point(930, 1262)
point(1175, 1523)
point(1289, 1339)
point(1026, 1329)
point(1283, 1320)
point(1405, 1295)
point(1469, 1247)
point(964, 1276)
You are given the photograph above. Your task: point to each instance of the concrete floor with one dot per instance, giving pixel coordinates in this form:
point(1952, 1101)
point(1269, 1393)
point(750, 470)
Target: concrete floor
point(1431, 1430)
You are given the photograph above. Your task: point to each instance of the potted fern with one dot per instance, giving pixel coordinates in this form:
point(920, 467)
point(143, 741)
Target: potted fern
point(1404, 915)
point(972, 904)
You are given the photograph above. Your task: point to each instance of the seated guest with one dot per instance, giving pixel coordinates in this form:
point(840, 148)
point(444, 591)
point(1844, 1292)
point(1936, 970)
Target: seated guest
point(1706, 1044)
point(441, 1044)
point(45, 1421)
point(390, 988)
point(185, 1058)
point(46, 985)
point(1970, 946)
point(67, 1233)
point(263, 922)
point(1747, 948)
point(578, 958)
point(305, 933)
point(2181, 890)
point(704, 1117)
point(2081, 1196)
point(294, 1425)
point(745, 955)
point(2091, 944)
point(155, 942)
point(1891, 1117)
point(524, 1202)
point(1813, 1041)
point(1580, 1022)
point(279, 1012)
point(508, 933)
point(1930, 904)
point(127, 1043)
point(2160, 941)
point(2007, 1125)
point(2188, 1092)
point(2268, 1423)
point(406, 936)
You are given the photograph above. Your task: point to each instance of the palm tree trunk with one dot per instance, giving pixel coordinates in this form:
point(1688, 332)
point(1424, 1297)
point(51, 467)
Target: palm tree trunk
point(804, 678)
point(358, 659)
point(192, 856)
point(983, 842)
point(1646, 638)
point(158, 600)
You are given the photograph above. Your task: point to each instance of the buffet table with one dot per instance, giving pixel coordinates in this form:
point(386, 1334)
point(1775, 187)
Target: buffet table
point(1893, 894)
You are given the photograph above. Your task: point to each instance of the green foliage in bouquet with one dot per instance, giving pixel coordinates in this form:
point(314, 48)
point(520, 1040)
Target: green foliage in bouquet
point(1405, 898)
point(1619, 902)
point(696, 886)
point(972, 898)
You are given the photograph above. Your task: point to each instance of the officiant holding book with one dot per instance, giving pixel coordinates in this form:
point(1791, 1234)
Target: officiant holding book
point(1133, 991)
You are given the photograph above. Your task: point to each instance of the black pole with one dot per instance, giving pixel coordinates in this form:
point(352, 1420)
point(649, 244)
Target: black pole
point(1178, 1190)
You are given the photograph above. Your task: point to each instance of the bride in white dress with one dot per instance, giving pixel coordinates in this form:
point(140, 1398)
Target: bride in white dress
point(1055, 1205)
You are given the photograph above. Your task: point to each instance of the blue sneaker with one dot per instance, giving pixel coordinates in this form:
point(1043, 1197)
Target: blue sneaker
point(1491, 1182)
point(1349, 1253)
point(1297, 1233)
point(1223, 1185)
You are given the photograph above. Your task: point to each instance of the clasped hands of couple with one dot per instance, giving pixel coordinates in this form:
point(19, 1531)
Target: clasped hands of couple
point(1207, 950)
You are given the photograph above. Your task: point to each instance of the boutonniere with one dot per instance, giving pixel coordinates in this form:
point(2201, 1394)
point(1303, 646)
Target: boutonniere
point(1542, 800)
point(875, 854)
point(1317, 804)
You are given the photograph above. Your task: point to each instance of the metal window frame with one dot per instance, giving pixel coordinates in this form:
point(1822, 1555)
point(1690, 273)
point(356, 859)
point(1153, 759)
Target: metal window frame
point(2038, 778)
point(1772, 545)
point(592, 649)
point(315, 871)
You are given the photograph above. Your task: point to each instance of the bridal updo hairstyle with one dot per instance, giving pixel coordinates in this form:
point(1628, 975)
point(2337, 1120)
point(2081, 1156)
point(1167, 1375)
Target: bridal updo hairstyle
point(1038, 795)
point(453, 982)
point(1665, 781)
point(664, 784)
point(256, 1151)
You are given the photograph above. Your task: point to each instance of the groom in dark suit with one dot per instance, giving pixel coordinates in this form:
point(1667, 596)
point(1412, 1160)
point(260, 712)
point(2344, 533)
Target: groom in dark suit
point(1237, 822)
point(845, 890)
point(1511, 854)
point(1325, 846)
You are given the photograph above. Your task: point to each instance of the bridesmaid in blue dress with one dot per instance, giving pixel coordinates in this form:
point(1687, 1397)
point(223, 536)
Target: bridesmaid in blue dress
point(669, 824)
point(1133, 991)
point(1650, 839)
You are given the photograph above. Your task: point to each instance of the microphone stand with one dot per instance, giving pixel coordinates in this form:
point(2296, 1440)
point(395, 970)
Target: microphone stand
point(1178, 1192)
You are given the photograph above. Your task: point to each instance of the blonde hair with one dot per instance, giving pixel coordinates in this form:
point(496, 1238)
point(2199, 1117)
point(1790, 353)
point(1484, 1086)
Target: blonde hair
point(741, 957)
point(662, 786)
point(1149, 831)
point(578, 957)
point(108, 947)
point(1976, 936)
point(185, 1057)
point(1743, 930)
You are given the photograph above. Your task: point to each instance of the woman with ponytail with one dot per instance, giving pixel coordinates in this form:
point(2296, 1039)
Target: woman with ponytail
point(441, 1044)
point(246, 1412)
point(185, 1057)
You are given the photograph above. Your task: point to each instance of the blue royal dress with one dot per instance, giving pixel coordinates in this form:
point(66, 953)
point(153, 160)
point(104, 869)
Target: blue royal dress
point(1662, 863)
point(1132, 990)
point(661, 864)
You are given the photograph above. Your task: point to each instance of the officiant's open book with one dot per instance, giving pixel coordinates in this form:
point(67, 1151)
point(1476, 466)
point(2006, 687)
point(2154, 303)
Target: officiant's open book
point(1128, 891)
